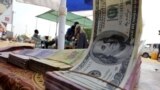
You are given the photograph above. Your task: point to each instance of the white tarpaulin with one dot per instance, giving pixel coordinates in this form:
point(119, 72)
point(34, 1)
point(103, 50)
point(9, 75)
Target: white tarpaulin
point(53, 4)
point(5, 13)
point(4, 4)
point(6, 17)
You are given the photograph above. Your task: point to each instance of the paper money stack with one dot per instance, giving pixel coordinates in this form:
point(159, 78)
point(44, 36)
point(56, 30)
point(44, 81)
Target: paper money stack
point(59, 60)
point(22, 57)
point(111, 62)
point(18, 60)
point(42, 60)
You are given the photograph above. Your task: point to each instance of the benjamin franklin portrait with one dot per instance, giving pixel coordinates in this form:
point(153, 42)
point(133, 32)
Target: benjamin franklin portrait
point(110, 48)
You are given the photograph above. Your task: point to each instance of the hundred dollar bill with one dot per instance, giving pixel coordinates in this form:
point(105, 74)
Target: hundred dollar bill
point(110, 58)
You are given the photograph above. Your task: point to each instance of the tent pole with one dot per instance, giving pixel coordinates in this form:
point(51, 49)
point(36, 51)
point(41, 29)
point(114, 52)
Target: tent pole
point(12, 26)
point(56, 25)
point(62, 22)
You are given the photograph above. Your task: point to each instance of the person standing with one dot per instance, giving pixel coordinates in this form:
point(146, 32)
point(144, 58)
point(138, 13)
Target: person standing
point(71, 31)
point(69, 37)
point(80, 38)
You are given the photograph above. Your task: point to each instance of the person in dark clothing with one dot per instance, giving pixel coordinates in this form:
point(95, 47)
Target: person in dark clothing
point(70, 32)
point(46, 43)
point(50, 43)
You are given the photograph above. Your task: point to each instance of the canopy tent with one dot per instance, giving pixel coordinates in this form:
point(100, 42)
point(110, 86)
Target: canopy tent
point(65, 4)
point(62, 6)
point(52, 15)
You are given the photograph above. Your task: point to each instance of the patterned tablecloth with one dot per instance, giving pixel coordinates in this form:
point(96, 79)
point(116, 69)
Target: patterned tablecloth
point(14, 78)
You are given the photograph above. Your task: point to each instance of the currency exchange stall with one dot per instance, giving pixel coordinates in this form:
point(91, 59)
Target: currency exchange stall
point(110, 63)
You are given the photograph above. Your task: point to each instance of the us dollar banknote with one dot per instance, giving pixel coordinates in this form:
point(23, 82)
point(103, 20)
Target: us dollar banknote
point(115, 36)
